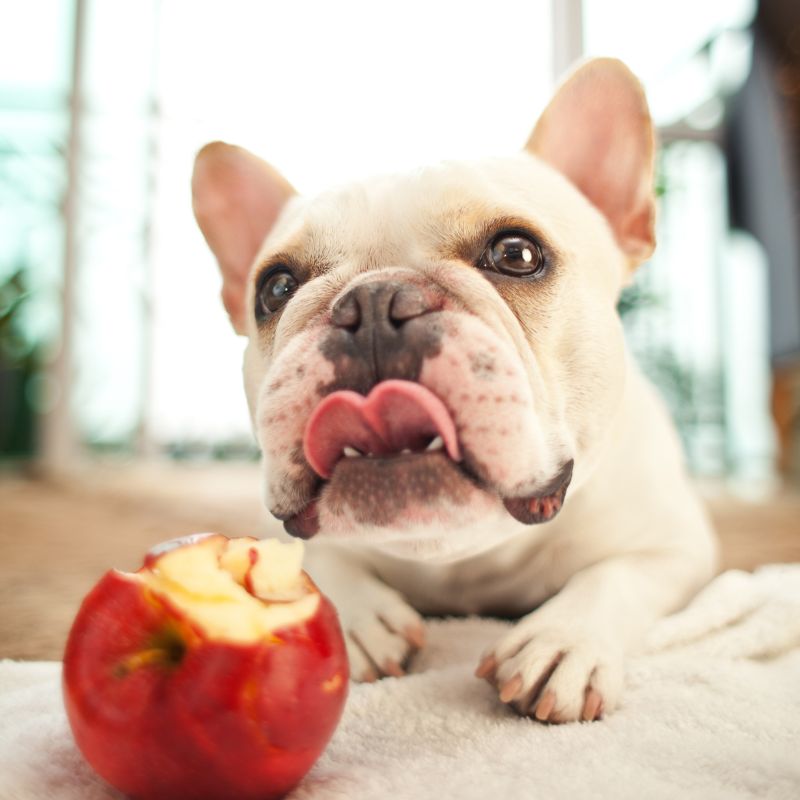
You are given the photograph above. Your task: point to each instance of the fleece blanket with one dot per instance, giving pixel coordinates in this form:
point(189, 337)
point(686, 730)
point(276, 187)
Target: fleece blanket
point(711, 710)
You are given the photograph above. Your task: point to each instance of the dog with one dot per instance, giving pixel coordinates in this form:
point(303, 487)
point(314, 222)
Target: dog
point(439, 384)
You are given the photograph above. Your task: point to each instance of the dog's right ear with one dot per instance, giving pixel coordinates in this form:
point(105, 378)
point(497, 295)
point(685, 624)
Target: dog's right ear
point(597, 132)
point(236, 199)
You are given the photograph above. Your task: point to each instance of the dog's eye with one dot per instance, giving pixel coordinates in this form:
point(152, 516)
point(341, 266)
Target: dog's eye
point(513, 254)
point(274, 289)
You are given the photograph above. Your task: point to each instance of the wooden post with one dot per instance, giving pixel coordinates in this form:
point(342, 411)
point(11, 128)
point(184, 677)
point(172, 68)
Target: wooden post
point(60, 441)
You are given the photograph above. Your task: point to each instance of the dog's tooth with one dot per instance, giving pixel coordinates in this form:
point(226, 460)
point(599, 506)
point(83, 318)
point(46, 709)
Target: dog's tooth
point(406, 451)
point(435, 444)
point(350, 452)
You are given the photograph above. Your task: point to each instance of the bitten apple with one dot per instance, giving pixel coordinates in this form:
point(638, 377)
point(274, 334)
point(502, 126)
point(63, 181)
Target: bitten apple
point(218, 670)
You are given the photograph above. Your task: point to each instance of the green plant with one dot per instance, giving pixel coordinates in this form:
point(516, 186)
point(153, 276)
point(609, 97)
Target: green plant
point(19, 363)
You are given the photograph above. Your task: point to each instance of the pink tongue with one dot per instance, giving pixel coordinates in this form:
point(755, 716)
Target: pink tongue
point(396, 415)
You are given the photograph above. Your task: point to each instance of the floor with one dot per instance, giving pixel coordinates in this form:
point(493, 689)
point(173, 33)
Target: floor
point(58, 535)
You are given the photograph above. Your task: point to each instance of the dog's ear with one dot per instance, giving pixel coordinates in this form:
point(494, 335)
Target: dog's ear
point(597, 131)
point(236, 199)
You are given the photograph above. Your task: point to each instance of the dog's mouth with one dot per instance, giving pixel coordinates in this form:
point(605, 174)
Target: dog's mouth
point(396, 419)
point(399, 438)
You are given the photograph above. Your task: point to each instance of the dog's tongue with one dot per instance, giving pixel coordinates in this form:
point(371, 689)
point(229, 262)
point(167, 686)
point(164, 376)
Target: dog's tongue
point(395, 416)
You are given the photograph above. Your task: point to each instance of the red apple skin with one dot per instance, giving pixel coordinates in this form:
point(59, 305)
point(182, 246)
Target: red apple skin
point(223, 721)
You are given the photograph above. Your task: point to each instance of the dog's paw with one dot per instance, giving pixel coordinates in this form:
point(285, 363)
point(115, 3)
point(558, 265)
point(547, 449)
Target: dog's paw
point(554, 673)
point(381, 632)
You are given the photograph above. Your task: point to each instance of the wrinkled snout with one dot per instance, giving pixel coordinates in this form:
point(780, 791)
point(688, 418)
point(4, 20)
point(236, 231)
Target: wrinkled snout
point(401, 409)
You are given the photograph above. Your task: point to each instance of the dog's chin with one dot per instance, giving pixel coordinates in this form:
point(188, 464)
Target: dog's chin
point(403, 490)
point(369, 496)
point(420, 507)
point(441, 543)
point(412, 505)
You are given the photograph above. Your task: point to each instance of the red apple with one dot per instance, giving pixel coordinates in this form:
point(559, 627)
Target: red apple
point(217, 670)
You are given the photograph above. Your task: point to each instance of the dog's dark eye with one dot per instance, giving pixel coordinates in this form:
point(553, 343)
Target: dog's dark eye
point(513, 254)
point(274, 289)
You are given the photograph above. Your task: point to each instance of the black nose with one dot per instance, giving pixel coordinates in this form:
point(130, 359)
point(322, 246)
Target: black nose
point(382, 330)
point(377, 305)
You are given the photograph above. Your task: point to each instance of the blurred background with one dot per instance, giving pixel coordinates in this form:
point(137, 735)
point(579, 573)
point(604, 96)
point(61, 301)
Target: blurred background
point(122, 417)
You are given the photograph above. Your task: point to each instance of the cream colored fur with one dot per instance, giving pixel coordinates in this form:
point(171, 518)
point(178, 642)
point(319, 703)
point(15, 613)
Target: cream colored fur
point(632, 543)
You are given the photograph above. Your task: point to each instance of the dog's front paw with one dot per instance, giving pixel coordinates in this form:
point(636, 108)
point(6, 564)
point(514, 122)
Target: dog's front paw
point(555, 673)
point(381, 632)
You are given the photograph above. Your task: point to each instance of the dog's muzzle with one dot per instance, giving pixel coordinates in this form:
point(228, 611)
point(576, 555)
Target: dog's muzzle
point(382, 442)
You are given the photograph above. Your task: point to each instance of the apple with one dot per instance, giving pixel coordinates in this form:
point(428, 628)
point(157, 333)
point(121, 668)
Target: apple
point(217, 670)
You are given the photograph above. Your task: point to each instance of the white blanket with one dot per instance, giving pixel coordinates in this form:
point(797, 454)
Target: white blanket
point(711, 710)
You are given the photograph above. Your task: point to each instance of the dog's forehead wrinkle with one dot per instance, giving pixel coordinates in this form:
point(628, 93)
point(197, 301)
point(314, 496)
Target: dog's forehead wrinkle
point(374, 217)
point(416, 220)
point(402, 219)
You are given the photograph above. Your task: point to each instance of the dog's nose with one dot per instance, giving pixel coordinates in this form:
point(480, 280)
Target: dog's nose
point(381, 330)
point(377, 305)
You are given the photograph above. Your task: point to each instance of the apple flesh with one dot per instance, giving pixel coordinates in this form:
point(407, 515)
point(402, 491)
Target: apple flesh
point(216, 671)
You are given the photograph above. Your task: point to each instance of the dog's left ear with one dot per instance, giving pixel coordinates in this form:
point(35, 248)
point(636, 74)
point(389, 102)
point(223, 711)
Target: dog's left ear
point(597, 131)
point(236, 199)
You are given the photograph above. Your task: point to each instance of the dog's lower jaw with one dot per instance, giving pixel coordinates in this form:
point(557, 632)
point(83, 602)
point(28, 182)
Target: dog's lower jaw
point(439, 532)
point(437, 505)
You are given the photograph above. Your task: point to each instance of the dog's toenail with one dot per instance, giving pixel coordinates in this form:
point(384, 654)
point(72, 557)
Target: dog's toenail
point(510, 689)
point(545, 707)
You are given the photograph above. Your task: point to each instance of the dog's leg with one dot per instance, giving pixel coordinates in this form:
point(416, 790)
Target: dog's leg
point(381, 629)
point(564, 661)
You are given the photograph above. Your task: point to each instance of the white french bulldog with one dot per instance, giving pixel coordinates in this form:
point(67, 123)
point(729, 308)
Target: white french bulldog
point(438, 380)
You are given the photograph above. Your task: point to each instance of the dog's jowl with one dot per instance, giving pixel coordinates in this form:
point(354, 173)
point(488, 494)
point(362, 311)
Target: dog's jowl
point(440, 387)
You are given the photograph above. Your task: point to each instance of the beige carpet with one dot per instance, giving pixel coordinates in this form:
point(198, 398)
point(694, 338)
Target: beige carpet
point(59, 535)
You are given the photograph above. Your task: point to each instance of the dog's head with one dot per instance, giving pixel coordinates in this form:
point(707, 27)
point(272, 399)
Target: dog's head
point(436, 349)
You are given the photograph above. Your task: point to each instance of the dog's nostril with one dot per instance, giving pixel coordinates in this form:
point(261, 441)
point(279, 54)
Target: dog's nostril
point(346, 313)
point(372, 305)
point(406, 304)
